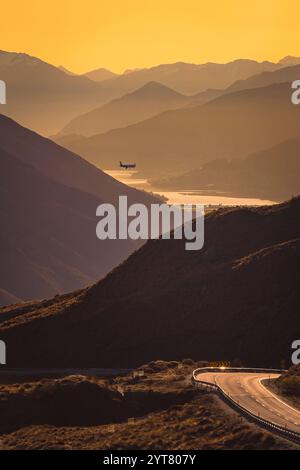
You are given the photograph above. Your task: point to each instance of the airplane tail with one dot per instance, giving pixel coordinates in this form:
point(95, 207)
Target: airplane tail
point(121, 163)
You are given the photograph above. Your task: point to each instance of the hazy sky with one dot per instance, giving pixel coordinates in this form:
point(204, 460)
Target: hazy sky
point(119, 34)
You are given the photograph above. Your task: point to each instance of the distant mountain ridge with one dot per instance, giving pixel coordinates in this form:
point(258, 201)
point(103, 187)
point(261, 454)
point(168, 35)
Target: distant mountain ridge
point(99, 75)
point(290, 60)
point(233, 125)
point(147, 101)
point(41, 96)
point(97, 121)
point(189, 78)
point(283, 75)
point(45, 98)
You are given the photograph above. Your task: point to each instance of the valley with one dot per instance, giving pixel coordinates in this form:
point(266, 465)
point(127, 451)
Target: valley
point(107, 315)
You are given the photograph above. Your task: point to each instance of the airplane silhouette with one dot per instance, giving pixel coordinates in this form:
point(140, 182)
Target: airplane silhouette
point(127, 165)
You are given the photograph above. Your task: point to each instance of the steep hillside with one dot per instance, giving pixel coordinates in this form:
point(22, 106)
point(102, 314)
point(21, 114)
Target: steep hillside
point(289, 60)
point(289, 72)
point(98, 75)
point(48, 243)
point(236, 298)
point(45, 98)
point(62, 165)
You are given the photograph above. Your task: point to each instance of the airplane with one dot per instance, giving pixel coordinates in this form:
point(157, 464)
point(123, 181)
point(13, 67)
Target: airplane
point(127, 165)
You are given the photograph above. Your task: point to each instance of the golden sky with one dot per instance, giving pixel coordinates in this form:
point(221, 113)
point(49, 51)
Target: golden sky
point(120, 34)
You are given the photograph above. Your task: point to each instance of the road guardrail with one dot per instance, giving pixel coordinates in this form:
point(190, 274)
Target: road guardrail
point(269, 425)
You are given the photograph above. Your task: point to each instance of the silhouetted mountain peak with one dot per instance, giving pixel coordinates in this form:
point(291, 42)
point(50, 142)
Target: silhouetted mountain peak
point(249, 61)
point(155, 89)
point(290, 60)
point(149, 100)
point(42, 96)
point(12, 58)
point(101, 74)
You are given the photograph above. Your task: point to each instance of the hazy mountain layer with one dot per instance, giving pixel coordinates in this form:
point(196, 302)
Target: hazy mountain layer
point(189, 78)
point(153, 98)
point(272, 174)
point(231, 126)
point(43, 97)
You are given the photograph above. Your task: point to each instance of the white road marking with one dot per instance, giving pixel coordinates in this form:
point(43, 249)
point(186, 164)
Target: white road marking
point(266, 397)
point(277, 398)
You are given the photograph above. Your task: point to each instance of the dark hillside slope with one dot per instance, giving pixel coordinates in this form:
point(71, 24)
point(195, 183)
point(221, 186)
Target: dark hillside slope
point(48, 243)
point(48, 201)
point(236, 298)
point(61, 165)
point(153, 98)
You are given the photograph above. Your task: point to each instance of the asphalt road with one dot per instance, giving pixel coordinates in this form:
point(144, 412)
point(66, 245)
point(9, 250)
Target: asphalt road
point(246, 389)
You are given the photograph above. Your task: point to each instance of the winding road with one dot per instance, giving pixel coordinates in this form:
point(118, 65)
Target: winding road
point(248, 391)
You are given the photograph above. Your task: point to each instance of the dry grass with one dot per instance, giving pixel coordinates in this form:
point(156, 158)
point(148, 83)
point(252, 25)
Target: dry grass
point(155, 407)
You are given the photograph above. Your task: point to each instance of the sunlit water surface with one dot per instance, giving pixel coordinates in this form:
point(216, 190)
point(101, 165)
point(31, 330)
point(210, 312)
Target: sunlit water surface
point(188, 196)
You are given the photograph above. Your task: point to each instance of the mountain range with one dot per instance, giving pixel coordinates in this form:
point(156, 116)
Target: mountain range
point(45, 98)
point(283, 75)
point(189, 78)
point(149, 100)
point(233, 125)
point(154, 98)
point(230, 300)
point(242, 140)
point(270, 174)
